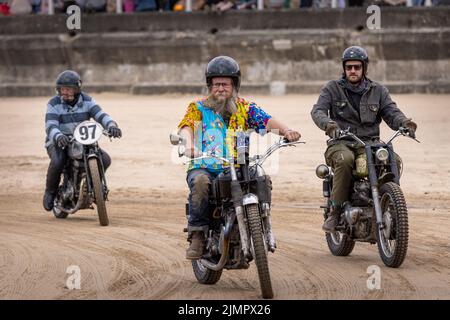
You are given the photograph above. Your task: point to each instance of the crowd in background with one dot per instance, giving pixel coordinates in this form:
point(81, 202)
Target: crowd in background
point(12, 7)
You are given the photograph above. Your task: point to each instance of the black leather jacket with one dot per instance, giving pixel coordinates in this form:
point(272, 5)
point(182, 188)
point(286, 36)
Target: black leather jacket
point(376, 104)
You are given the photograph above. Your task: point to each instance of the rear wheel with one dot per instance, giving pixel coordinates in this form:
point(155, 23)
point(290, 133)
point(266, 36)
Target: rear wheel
point(259, 250)
point(339, 243)
point(59, 213)
point(392, 239)
point(205, 275)
point(98, 192)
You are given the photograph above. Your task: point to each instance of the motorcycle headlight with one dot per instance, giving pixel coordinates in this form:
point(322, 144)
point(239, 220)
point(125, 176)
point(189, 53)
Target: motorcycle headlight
point(322, 171)
point(382, 154)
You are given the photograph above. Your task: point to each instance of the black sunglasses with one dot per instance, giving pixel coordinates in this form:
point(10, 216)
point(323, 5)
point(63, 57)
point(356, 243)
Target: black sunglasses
point(349, 67)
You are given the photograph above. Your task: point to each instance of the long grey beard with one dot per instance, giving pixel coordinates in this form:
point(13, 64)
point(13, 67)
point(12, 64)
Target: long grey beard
point(227, 105)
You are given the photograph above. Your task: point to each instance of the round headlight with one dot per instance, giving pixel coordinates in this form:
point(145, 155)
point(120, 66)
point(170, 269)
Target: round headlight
point(382, 154)
point(322, 171)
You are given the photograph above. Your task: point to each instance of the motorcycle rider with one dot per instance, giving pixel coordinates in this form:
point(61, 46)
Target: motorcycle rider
point(65, 111)
point(212, 121)
point(358, 103)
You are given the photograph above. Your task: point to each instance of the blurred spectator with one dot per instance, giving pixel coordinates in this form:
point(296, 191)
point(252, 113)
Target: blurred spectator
point(68, 3)
point(20, 7)
point(327, 3)
point(355, 3)
point(92, 6)
point(57, 5)
point(4, 8)
point(128, 5)
point(35, 6)
point(146, 5)
point(306, 3)
point(275, 4)
point(224, 5)
point(167, 5)
point(246, 4)
point(213, 5)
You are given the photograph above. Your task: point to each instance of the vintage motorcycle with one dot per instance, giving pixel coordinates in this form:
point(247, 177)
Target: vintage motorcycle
point(376, 211)
point(84, 181)
point(240, 228)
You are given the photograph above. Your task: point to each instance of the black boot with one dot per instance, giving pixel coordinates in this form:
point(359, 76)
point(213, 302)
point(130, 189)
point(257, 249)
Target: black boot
point(48, 201)
point(333, 219)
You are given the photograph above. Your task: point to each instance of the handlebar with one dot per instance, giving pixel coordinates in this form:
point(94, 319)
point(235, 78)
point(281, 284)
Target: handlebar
point(283, 142)
point(257, 159)
point(401, 131)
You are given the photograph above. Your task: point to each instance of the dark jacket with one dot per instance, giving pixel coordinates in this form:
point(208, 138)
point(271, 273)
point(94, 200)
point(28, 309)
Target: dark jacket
point(376, 104)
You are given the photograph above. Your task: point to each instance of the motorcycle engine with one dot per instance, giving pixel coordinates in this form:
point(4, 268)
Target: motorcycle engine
point(214, 243)
point(362, 229)
point(361, 193)
point(68, 191)
point(352, 213)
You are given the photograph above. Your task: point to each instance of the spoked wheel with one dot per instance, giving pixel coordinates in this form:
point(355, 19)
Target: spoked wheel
point(98, 192)
point(339, 243)
point(259, 250)
point(205, 275)
point(392, 239)
point(59, 213)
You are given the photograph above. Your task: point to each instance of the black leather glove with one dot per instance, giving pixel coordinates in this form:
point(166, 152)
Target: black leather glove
point(62, 141)
point(411, 126)
point(115, 132)
point(332, 130)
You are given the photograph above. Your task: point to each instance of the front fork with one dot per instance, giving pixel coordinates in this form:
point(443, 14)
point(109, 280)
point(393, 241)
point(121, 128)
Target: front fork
point(267, 222)
point(237, 196)
point(374, 188)
point(266, 215)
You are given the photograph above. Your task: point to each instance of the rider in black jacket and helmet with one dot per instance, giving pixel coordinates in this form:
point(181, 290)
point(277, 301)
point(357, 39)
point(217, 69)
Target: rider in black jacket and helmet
point(358, 103)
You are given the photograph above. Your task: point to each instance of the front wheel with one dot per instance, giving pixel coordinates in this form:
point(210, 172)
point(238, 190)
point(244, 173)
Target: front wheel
point(259, 250)
point(392, 239)
point(98, 192)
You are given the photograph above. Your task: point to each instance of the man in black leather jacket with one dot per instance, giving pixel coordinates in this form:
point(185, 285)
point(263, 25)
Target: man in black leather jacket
point(358, 103)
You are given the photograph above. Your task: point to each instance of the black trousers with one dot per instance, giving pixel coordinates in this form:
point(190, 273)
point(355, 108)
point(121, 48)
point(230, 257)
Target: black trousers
point(58, 158)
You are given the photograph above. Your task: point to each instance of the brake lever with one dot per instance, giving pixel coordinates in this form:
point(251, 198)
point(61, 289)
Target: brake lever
point(405, 132)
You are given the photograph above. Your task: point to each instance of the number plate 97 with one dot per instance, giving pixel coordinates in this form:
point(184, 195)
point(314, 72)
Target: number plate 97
point(88, 132)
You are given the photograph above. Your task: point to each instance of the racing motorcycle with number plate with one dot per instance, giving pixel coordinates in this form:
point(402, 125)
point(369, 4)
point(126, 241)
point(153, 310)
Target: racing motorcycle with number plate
point(84, 181)
point(240, 228)
point(377, 210)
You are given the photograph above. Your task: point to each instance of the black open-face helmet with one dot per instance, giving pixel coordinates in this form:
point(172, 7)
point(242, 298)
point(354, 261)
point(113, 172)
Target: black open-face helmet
point(69, 78)
point(355, 53)
point(223, 66)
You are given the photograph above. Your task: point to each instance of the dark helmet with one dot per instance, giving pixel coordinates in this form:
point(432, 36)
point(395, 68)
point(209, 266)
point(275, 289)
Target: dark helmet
point(223, 66)
point(355, 53)
point(68, 78)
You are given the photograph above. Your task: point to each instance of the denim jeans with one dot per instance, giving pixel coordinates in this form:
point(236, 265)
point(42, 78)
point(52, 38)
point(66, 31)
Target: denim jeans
point(199, 182)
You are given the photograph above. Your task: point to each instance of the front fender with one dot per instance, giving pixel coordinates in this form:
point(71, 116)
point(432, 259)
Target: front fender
point(250, 198)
